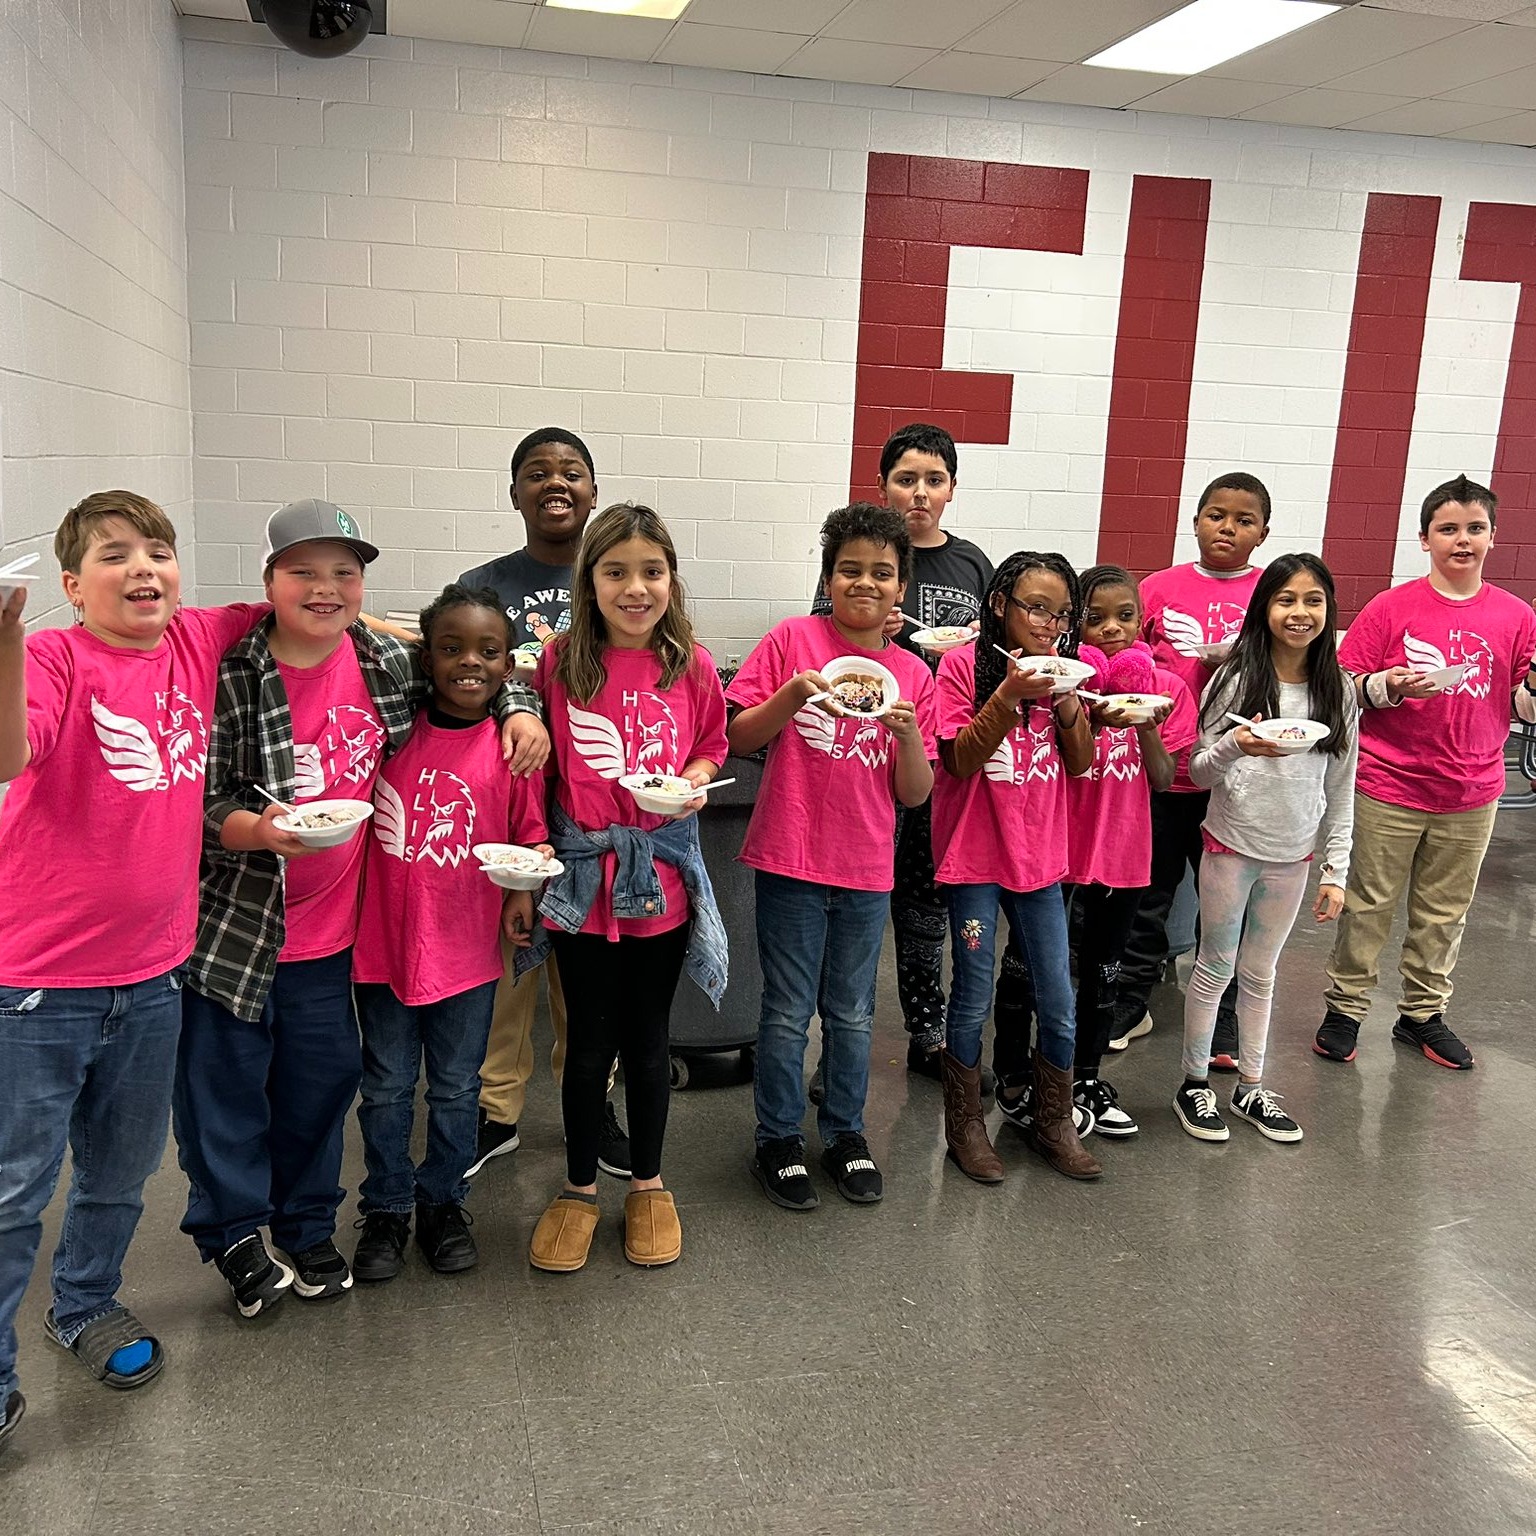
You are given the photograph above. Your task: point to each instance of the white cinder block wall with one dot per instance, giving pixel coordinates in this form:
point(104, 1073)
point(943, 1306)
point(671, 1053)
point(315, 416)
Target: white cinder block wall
point(93, 284)
point(403, 260)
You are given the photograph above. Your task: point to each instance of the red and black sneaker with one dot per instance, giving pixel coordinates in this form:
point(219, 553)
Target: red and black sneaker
point(1336, 1036)
point(1224, 1043)
point(1437, 1042)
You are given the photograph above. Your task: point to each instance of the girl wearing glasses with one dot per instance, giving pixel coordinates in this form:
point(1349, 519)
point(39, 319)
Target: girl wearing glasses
point(1006, 744)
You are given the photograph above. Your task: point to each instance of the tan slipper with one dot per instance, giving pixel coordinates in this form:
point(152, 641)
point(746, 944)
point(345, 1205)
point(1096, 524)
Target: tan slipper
point(652, 1233)
point(563, 1237)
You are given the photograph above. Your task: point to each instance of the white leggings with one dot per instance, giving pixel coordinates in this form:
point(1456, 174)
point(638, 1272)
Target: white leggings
point(1247, 910)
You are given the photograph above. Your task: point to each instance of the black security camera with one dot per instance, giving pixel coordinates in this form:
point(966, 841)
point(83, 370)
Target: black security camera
point(321, 29)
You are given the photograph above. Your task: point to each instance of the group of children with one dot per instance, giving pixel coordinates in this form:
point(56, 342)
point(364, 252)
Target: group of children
point(196, 962)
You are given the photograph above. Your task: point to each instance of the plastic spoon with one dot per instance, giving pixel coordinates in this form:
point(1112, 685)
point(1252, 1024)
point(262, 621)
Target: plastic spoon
point(1232, 714)
point(282, 805)
point(703, 789)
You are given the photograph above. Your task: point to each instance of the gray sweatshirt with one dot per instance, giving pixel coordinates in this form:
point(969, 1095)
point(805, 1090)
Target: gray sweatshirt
point(1271, 808)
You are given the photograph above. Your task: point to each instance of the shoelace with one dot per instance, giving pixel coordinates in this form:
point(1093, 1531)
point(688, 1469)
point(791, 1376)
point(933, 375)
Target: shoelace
point(1204, 1101)
point(1434, 1031)
point(1100, 1095)
point(853, 1152)
point(1269, 1103)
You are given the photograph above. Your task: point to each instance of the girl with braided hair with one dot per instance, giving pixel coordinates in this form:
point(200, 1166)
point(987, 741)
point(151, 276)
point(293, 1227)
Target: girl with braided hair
point(1006, 742)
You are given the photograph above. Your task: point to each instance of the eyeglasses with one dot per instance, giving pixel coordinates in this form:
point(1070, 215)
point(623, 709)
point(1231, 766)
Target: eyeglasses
point(1041, 617)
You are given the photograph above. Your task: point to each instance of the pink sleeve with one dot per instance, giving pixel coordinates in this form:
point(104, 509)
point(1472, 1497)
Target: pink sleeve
point(1525, 647)
point(709, 713)
point(927, 711)
point(1362, 650)
point(954, 703)
point(49, 674)
point(1182, 727)
point(220, 628)
point(762, 673)
point(526, 824)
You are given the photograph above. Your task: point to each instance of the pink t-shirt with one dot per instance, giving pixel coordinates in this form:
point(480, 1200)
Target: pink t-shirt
point(1444, 753)
point(1109, 809)
point(430, 923)
point(100, 833)
point(630, 725)
point(1183, 608)
point(1007, 824)
point(826, 809)
point(338, 744)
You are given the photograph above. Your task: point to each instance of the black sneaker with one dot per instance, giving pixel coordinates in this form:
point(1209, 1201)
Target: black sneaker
point(1129, 1025)
point(257, 1279)
point(15, 1406)
point(320, 1272)
point(779, 1166)
point(380, 1250)
point(1020, 1113)
point(923, 1063)
point(1224, 1043)
point(1101, 1101)
point(443, 1235)
point(491, 1140)
point(1436, 1041)
point(1336, 1037)
point(853, 1169)
point(1262, 1108)
point(613, 1146)
point(1196, 1108)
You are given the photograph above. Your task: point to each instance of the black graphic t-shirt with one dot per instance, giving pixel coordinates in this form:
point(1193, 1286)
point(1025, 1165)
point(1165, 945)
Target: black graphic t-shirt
point(947, 586)
point(537, 597)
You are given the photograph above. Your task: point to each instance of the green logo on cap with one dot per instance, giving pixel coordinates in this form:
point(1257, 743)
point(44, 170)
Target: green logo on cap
point(346, 524)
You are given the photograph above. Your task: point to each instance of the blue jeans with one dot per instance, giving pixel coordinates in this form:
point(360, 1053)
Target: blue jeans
point(819, 946)
point(451, 1034)
point(88, 1068)
point(259, 1108)
point(1037, 920)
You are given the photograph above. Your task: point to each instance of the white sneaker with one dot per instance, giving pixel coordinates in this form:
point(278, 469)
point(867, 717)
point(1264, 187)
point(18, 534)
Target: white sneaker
point(1143, 1026)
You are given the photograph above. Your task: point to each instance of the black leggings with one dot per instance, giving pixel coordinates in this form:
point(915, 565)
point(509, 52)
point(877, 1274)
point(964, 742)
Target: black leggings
point(920, 921)
point(618, 1002)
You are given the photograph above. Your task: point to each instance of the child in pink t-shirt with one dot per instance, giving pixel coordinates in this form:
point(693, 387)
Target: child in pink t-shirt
point(1435, 662)
point(631, 696)
point(427, 958)
point(1192, 613)
point(1007, 741)
point(104, 741)
point(822, 842)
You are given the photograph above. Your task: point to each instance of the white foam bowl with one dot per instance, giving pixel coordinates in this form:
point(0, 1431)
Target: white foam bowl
point(946, 638)
point(1066, 673)
point(1138, 708)
point(1212, 655)
point(325, 837)
point(1278, 733)
point(8, 584)
point(1447, 678)
point(862, 666)
point(510, 877)
point(667, 801)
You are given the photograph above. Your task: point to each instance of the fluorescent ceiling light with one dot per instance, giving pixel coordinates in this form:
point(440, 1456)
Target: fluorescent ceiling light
point(661, 10)
point(1209, 32)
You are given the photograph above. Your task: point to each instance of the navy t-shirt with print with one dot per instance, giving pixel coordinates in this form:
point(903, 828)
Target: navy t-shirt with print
point(537, 597)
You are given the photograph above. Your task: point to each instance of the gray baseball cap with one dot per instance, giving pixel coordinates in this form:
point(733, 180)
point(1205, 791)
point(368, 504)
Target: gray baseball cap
point(310, 520)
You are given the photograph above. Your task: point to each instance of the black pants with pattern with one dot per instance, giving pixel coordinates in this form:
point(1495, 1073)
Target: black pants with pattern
point(920, 919)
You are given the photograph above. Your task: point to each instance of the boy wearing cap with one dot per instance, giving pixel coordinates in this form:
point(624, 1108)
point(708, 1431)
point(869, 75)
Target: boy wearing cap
point(309, 704)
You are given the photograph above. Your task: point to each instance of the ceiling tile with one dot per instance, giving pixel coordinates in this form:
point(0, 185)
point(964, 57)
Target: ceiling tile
point(609, 37)
point(979, 74)
point(807, 16)
point(1516, 90)
point(1446, 65)
point(1427, 117)
point(729, 48)
point(1078, 85)
point(917, 22)
point(1323, 108)
point(1049, 29)
point(1201, 96)
point(498, 22)
point(1354, 38)
point(1463, 10)
point(1523, 18)
point(1517, 129)
point(836, 58)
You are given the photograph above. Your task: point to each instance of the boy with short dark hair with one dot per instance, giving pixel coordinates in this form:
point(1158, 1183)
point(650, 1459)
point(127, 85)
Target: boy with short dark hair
point(1435, 661)
point(821, 840)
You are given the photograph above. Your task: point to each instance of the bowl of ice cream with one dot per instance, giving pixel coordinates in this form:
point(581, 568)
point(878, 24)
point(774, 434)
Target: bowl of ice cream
point(325, 823)
point(943, 638)
point(860, 687)
point(515, 868)
point(1065, 673)
point(1135, 708)
point(1289, 734)
point(662, 794)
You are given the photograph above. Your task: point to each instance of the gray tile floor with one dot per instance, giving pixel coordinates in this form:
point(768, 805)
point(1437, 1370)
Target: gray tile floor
point(1335, 1337)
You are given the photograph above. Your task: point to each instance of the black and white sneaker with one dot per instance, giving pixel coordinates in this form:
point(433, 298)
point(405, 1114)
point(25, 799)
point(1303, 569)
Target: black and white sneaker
point(613, 1146)
point(1132, 1029)
point(1262, 1108)
point(1224, 1043)
point(492, 1139)
point(320, 1272)
point(779, 1166)
point(258, 1280)
point(1020, 1112)
point(1436, 1039)
point(1101, 1101)
point(1195, 1105)
point(853, 1169)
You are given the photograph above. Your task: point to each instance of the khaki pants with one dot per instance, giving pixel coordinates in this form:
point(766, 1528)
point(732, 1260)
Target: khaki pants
point(1438, 857)
point(509, 1052)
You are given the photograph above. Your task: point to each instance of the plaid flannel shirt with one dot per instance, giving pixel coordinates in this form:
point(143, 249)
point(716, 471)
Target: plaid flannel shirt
point(240, 928)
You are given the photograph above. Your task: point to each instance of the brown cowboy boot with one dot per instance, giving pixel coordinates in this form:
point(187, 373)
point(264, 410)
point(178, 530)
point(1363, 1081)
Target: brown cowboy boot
point(964, 1128)
point(1053, 1136)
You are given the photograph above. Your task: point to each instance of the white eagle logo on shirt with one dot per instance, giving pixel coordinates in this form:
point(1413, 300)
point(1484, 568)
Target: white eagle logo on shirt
point(1461, 645)
point(1187, 633)
point(1113, 758)
point(862, 741)
point(345, 756)
point(646, 743)
point(439, 825)
point(1009, 763)
point(136, 758)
